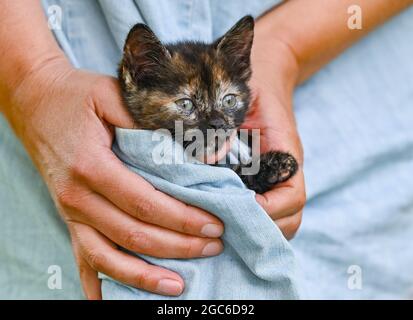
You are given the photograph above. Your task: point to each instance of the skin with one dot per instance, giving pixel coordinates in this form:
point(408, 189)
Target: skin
point(295, 34)
point(65, 117)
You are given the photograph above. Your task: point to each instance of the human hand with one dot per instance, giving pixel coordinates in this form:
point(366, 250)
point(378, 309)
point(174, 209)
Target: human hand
point(65, 119)
point(272, 84)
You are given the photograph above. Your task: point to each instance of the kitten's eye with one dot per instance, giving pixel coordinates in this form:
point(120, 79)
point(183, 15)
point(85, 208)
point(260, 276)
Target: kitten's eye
point(229, 101)
point(185, 104)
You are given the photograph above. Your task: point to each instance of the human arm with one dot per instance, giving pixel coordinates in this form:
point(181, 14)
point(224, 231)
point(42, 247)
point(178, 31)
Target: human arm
point(64, 118)
point(291, 43)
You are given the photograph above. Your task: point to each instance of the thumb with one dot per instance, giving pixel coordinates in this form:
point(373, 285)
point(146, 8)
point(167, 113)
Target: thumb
point(110, 106)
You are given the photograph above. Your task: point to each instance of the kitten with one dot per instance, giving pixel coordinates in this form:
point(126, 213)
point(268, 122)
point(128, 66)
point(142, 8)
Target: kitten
point(202, 85)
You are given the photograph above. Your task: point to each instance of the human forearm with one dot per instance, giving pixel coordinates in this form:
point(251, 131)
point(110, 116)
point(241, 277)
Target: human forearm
point(292, 42)
point(64, 117)
point(26, 45)
point(316, 31)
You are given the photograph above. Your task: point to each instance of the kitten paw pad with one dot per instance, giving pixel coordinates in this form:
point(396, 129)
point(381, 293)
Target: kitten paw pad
point(275, 167)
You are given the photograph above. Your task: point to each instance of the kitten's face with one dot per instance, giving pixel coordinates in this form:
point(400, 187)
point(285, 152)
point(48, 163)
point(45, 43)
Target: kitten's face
point(202, 85)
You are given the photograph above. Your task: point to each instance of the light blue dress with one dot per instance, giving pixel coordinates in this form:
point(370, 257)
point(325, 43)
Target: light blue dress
point(354, 118)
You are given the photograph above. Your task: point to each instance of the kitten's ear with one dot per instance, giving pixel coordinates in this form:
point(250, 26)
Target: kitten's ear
point(235, 45)
point(143, 52)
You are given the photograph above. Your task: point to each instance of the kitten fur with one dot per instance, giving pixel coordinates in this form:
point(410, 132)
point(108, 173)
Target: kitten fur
point(154, 77)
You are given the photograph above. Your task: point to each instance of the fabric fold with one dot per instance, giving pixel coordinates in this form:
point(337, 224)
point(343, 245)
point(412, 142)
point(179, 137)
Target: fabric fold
point(257, 262)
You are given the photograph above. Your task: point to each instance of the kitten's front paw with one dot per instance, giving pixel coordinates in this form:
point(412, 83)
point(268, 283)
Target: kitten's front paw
point(275, 167)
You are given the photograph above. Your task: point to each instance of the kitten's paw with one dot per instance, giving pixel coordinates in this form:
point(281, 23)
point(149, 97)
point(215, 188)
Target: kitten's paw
point(275, 167)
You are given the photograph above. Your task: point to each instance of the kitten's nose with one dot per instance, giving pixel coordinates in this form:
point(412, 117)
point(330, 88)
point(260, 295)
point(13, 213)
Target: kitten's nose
point(216, 123)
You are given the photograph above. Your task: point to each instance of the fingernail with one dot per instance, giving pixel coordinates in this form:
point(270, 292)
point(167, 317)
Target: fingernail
point(212, 249)
point(169, 287)
point(212, 230)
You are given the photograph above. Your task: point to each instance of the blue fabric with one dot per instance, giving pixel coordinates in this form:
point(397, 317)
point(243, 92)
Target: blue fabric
point(354, 118)
point(257, 263)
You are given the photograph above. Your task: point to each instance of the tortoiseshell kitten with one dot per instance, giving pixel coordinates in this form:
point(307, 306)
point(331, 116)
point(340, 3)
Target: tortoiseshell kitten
point(202, 85)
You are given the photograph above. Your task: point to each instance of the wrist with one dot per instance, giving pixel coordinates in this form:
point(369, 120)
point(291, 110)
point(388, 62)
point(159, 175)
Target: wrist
point(34, 75)
point(274, 69)
point(274, 65)
point(20, 68)
point(278, 57)
point(34, 84)
point(271, 54)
